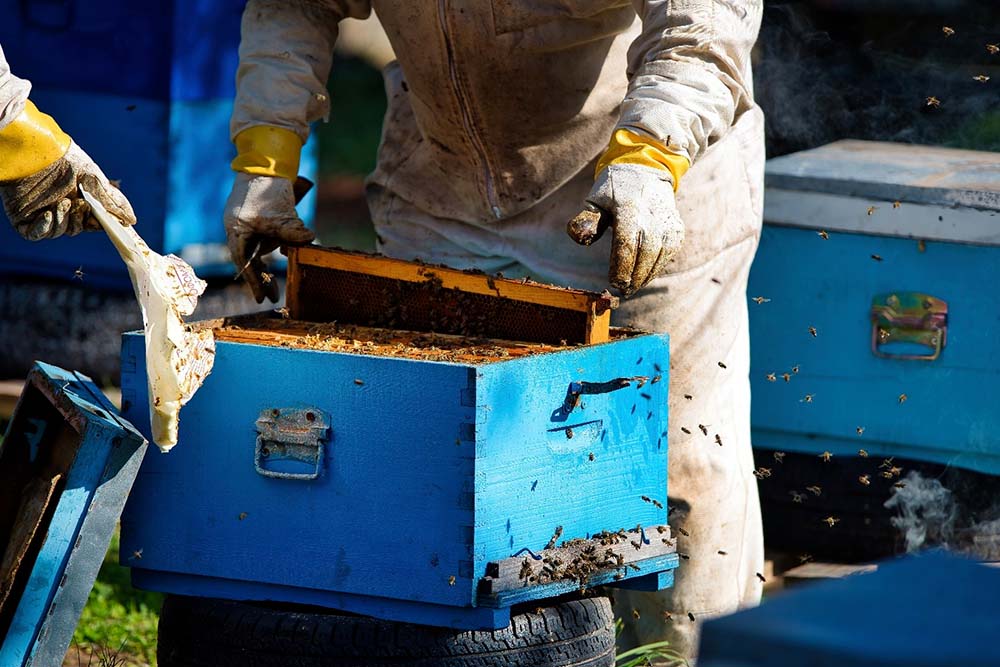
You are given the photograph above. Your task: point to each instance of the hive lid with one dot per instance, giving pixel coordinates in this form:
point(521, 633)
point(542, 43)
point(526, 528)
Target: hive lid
point(943, 194)
point(67, 463)
point(932, 609)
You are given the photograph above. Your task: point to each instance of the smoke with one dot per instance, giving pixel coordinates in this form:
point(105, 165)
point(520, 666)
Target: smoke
point(929, 514)
point(926, 512)
point(824, 76)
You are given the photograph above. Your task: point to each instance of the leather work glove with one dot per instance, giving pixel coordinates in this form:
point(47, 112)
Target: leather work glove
point(40, 178)
point(637, 201)
point(259, 217)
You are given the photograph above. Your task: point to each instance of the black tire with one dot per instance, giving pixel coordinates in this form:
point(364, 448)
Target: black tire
point(205, 632)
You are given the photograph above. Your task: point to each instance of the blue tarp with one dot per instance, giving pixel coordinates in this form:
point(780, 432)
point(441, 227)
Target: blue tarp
point(934, 609)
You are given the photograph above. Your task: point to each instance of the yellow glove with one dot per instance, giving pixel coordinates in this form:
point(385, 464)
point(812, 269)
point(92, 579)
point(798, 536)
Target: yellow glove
point(40, 177)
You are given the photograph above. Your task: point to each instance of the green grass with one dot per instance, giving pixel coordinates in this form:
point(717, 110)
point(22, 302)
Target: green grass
point(657, 653)
point(117, 614)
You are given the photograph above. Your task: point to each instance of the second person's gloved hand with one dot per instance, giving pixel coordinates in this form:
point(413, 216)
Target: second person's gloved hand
point(259, 217)
point(637, 202)
point(47, 203)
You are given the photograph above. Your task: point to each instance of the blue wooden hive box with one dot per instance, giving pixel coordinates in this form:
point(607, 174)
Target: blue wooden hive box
point(875, 311)
point(428, 478)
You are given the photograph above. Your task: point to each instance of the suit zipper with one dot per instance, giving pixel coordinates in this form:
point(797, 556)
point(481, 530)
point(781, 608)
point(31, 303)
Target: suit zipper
point(463, 106)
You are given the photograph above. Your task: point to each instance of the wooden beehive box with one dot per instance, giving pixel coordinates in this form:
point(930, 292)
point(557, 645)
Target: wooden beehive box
point(407, 475)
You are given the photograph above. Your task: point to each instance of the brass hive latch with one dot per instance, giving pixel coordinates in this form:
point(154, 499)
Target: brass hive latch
point(909, 317)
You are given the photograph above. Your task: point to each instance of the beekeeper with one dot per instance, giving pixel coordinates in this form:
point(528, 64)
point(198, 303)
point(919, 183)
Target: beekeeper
point(41, 168)
point(504, 118)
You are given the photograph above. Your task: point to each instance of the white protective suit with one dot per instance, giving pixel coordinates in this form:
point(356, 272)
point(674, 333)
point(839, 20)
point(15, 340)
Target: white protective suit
point(13, 93)
point(497, 112)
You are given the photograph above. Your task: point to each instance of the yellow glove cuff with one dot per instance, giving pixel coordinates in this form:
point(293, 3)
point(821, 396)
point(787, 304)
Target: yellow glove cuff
point(31, 142)
point(268, 151)
point(627, 147)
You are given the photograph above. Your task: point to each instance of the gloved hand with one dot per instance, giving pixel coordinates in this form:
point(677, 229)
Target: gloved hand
point(48, 203)
point(259, 217)
point(638, 202)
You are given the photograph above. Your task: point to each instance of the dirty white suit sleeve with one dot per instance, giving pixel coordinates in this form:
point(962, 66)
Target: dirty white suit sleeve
point(13, 93)
point(689, 71)
point(286, 51)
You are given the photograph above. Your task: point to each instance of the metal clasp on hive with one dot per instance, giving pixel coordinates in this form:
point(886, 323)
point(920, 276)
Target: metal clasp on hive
point(290, 439)
point(909, 317)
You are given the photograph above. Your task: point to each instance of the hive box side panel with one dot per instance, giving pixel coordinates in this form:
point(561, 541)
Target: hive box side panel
point(949, 412)
point(390, 514)
point(541, 465)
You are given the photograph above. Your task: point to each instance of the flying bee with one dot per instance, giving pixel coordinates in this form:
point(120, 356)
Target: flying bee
point(902, 399)
point(242, 515)
point(948, 32)
point(761, 577)
point(722, 365)
point(689, 397)
point(797, 497)
point(787, 377)
point(283, 312)
point(816, 489)
point(886, 474)
point(683, 532)
point(762, 473)
point(823, 235)
point(266, 277)
point(981, 78)
point(865, 480)
point(861, 431)
point(933, 102)
point(683, 556)
point(451, 580)
point(993, 49)
point(136, 555)
point(872, 209)
point(895, 471)
point(718, 440)
point(704, 428)
point(779, 457)
point(771, 377)
point(808, 398)
point(896, 204)
point(591, 456)
point(635, 614)
point(646, 499)
point(921, 245)
point(813, 332)
point(760, 299)
point(804, 558)
point(657, 504)
point(667, 616)
point(795, 369)
point(886, 463)
point(899, 485)
point(877, 258)
point(863, 453)
point(831, 521)
point(691, 617)
point(358, 381)
point(78, 274)
point(685, 430)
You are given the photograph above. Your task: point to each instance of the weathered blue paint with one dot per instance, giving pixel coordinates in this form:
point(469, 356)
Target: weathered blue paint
point(157, 119)
point(85, 516)
point(431, 471)
point(949, 415)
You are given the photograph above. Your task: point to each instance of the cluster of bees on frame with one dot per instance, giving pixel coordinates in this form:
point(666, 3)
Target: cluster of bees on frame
point(578, 560)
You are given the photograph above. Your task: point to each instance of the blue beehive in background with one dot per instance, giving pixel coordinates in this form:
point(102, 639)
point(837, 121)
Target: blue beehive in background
point(147, 90)
point(880, 263)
